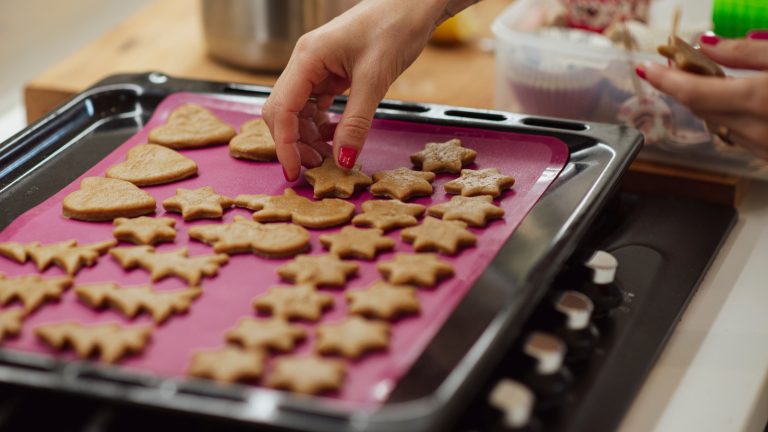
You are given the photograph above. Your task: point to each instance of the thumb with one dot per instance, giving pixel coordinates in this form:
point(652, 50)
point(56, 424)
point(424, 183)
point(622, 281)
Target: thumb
point(736, 53)
point(352, 130)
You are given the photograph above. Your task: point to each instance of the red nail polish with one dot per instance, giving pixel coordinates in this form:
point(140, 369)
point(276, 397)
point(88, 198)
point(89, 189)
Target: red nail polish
point(709, 39)
point(347, 157)
point(640, 72)
point(758, 35)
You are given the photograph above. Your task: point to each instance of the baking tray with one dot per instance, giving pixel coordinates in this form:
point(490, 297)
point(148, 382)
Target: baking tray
point(53, 152)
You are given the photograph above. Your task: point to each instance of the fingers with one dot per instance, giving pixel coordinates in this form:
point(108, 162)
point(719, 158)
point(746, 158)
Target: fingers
point(744, 130)
point(736, 53)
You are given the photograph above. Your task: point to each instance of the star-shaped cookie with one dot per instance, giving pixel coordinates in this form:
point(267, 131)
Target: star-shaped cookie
point(191, 126)
point(32, 290)
point(145, 230)
point(689, 59)
point(383, 300)
point(319, 270)
point(243, 235)
point(294, 302)
point(228, 364)
point(176, 263)
point(131, 300)
point(446, 237)
point(202, 203)
point(422, 269)
point(150, 164)
point(274, 334)
point(387, 215)
point(112, 341)
point(14, 251)
point(291, 207)
point(331, 181)
point(352, 337)
point(362, 243)
point(402, 183)
point(475, 211)
point(10, 322)
point(254, 142)
point(447, 156)
point(307, 374)
point(488, 181)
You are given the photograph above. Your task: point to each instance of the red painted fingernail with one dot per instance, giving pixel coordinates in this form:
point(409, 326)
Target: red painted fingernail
point(640, 72)
point(758, 35)
point(347, 157)
point(709, 39)
point(285, 174)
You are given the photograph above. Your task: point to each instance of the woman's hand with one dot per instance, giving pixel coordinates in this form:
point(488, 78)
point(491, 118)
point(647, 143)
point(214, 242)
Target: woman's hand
point(736, 106)
point(363, 50)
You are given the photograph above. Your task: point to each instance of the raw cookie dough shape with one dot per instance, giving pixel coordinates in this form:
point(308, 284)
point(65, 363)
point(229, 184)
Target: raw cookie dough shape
point(362, 243)
point(32, 290)
point(112, 341)
point(177, 263)
point(145, 230)
point(101, 199)
point(201, 203)
point(291, 207)
point(352, 337)
point(475, 211)
point(243, 236)
point(447, 156)
point(318, 270)
point(402, 183)
point(274, 334)
point(228, 364)
point(330, 181)
point(302, 301)
point(307, 374)
point(254, 142)
point(488, 181)
point(10, 323)
point(422, 269)
point(383, 300)
point(130, 301)
point(151, 164)
point(387, 215)
point(446, 237)
point(191, 126)
point(14, 251)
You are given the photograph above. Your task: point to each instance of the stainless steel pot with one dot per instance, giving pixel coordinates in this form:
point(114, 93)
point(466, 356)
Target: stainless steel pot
point(261, 34)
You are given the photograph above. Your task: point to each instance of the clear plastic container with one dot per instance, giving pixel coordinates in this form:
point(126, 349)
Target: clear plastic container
point(549, 71)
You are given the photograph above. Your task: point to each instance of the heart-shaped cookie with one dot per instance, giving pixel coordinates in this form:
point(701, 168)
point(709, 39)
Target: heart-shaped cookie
point(191, 126)
point(152, 164)
point(102, 199)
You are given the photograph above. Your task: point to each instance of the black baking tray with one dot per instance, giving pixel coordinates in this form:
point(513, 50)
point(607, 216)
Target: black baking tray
point(51, 153)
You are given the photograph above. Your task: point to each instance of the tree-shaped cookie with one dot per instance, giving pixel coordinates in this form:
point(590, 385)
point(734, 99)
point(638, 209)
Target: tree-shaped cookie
point(331, 181)
point(319, 270)
point(243, 236)
point(131, 300)
point(145, 230)
point(274, 334)
point(352, 337)
point(32, 290)
point(228, 364)
point(387, 215)
point(422, 269)
point(150, 164)
point(446, 237)
point(488, 181)
point(130, 257)
point(254, 142)
point(191, 126)
point(10, 322)
point(14, 251)
point(351, 242)
point(67, 254)
point(291, 207)
point(111, 341)
point(475, 211)
point(101, 199)
point(176, 263)
point(294, 302)
point(201, 203)
point(383, 300)
point(402, 183)
point(307, 374)
point(447, 156)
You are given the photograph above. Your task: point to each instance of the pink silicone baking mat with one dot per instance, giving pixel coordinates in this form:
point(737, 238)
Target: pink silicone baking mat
point(534, 161)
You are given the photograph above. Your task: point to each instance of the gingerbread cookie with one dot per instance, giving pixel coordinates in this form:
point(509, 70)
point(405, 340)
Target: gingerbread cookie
point(10, 323)
point(318, 270)
point(422, 269)
point(42, 255)
point(228, 364)
point(112, 341)
point(689, 59)
point(71, 260)
point(331, 181)
point(352, 337)
point(14, 251)
point(131, 300)
point(191, 126)
point(291, 207)
point(362, 243)
point(202, 203)
point(254, 142)
point(274, 334)
point(387, 215)
point(32, 290)
point(243, 235)
point(475, 211)
point(446, 237)
point(145, 230)
point(302, 301)
point(130, 257)
point(150, 164)
point(101, 199)
point(402, 183)
point(307, 374)
point(486, 181)
point(383, 300)
point(447, 156)
point(176, 263)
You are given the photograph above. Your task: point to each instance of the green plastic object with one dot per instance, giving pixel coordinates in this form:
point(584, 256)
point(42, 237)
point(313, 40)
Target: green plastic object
point(736, 18)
